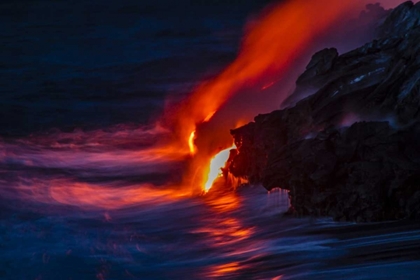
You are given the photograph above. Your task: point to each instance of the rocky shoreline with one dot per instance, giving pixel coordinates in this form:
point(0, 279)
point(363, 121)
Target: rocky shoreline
point(351, 150)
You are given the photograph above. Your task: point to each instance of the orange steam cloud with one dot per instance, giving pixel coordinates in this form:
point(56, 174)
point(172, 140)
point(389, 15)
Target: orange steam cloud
point(280, 36)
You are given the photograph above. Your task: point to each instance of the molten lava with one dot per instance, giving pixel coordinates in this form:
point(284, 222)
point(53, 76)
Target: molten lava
point(216, 164)
point(191, 142)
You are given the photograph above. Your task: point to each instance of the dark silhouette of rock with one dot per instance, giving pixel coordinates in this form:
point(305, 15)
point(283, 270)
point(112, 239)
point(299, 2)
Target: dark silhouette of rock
point(351, 150)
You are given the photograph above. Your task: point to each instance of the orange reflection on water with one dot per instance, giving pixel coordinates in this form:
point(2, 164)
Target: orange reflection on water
point(223, 269)
point(221, 227)
point(223, 203)
point(224, 231)
point(91, 196)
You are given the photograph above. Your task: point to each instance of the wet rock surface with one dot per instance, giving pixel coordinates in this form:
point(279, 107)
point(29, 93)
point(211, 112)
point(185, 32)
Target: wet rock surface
point(351, 150)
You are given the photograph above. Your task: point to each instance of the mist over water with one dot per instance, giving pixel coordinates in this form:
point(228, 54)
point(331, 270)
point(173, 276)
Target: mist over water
point(89, 188)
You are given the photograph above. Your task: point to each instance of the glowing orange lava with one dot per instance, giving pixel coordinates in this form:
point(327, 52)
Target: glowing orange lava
point(216, 163)
point(191, 142)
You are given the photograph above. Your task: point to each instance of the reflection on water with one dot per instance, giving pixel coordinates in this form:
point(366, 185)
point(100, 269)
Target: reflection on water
point(229, 236)
point(82, 223)
point(224, 269)
point(226, 233)
point(223, 229)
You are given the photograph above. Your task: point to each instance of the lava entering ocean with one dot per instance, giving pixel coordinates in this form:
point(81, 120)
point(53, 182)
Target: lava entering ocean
point(271, 45)
point(194, 130)
point(216, 164)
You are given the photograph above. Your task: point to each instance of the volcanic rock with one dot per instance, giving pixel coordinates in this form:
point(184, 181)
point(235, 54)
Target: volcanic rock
point(351, 150)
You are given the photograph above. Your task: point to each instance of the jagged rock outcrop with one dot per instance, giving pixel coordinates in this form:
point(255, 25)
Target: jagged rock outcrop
point(367, 172)
point(351, 150)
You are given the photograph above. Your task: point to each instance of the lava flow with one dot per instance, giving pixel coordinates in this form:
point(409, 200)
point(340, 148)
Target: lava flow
point(191, 142)
point(272, 43)
point(216, 165)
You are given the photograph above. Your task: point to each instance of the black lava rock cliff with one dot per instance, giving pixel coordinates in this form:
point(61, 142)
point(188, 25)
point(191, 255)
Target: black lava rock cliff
point(351, 150)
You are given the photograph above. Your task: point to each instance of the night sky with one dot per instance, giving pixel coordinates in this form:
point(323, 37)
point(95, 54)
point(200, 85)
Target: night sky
point(89, 64)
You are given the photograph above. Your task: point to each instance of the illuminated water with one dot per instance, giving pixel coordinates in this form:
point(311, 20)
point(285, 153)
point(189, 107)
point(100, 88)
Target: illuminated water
point(240, 235)
point(84, 194)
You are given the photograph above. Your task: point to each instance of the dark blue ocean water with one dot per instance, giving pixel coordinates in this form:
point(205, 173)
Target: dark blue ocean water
point(81, 195)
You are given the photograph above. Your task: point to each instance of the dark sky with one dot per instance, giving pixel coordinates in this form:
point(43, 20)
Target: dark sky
point(88, 64)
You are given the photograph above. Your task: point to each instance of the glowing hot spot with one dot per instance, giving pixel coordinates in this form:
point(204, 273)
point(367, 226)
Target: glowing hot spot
point(216, 164)
point(191, 142)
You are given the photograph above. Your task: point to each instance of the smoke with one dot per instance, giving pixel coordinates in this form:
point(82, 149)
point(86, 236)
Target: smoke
point(275, 50)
